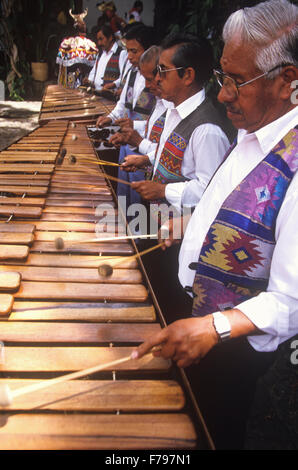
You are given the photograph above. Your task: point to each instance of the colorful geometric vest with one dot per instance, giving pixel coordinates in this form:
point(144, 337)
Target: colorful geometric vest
point(112, 70)
point(157, 128)
point(235, 259)
point(169, 166)
point(144, 104)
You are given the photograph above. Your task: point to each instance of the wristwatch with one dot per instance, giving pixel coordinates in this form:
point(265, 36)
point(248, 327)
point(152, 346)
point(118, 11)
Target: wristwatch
point(222, 326)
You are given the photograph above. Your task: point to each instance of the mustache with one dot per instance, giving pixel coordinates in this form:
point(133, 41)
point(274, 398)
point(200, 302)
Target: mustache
point(231, 109)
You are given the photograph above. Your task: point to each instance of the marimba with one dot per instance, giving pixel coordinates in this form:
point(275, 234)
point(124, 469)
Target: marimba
point(63, 103)
point(59, 315)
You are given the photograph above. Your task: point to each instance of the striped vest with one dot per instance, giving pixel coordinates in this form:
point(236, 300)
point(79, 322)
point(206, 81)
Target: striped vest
point(112, 70)
point(144, 104)
point(235, 259)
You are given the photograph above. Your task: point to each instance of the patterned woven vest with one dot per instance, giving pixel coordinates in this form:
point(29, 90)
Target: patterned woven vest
point(144, 104)
point(112, 70)
point(156, 129)
point(235, 259)
point(169, 166)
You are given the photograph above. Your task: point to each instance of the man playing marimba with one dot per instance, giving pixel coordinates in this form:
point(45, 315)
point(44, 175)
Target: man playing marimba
point(240, 253)
point(192, 141)
point(135, 102)
point(110, 61)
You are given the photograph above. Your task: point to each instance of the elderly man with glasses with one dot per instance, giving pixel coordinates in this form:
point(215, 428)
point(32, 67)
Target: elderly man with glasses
point(239, 254)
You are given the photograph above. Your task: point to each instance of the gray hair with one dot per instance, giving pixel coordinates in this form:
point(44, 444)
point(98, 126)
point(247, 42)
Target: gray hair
point(272, 28)
point(150, 55)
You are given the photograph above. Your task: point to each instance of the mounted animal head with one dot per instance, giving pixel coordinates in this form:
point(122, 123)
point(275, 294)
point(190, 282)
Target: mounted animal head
point(79, 19)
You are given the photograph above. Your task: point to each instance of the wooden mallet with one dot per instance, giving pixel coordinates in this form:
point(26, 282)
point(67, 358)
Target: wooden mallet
point(7, 395)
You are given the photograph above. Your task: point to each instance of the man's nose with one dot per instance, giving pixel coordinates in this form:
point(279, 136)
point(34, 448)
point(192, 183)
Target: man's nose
point(156, 79)
point(225, 97)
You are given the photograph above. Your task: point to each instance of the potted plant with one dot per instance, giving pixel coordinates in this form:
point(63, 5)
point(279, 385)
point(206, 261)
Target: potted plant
point(39, 65)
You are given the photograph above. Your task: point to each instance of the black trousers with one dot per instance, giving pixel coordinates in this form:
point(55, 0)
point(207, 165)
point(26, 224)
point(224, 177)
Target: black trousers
point(162, 269)
point(224, 384)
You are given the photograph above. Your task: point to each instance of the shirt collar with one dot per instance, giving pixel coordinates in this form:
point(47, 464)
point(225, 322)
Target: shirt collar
point(113, 48)
point(187, 106)
point(269, 135)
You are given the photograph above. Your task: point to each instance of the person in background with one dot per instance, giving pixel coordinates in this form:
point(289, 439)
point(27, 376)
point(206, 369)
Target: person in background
point(136, 102)
point(109, 63)
point(76, 55)
point(109, 10)
point(136, 12)
point(145, 138)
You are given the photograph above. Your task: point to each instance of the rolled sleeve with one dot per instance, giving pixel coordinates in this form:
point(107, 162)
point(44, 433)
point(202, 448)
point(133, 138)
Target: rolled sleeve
point(147, 146)
point(140, 127)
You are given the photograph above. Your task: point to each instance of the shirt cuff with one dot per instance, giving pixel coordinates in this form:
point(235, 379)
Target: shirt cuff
point(146, 146)
point(173, 194)
point(139, 126)
point(112, 117)
point(270, 315)
point(151, 156)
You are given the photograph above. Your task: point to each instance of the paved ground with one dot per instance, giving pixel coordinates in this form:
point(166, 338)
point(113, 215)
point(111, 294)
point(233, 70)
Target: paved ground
point(17, 118)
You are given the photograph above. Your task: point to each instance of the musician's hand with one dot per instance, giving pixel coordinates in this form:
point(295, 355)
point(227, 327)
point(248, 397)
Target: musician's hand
point(109, 86)
point(117, 93)
point(185, 341)
point(124, 122)
point(103, 121)
point(117, 139)
point(133, 162)
point(131, 137)
point(172, 231)
point(149, 189)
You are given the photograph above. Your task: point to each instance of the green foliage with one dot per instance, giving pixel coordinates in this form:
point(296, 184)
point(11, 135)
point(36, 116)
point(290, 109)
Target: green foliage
point(17, 87)
point(203, 18)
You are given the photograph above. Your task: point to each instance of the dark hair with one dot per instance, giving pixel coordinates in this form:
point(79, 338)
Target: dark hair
point(106, 30)
point(191, 52)
point(141, 33)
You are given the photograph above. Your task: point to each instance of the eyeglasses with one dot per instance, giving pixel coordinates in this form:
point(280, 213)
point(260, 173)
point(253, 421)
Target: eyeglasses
point(161, 71)
point(231, 86)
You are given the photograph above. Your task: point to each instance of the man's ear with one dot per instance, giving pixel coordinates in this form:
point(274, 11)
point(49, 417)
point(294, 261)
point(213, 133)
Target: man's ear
point(189, 76)
point(289, 83)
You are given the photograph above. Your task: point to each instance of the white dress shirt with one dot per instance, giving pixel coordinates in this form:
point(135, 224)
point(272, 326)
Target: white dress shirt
point(100, 66)
point(203, 154)
point(120, 111)
point(274, 311)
